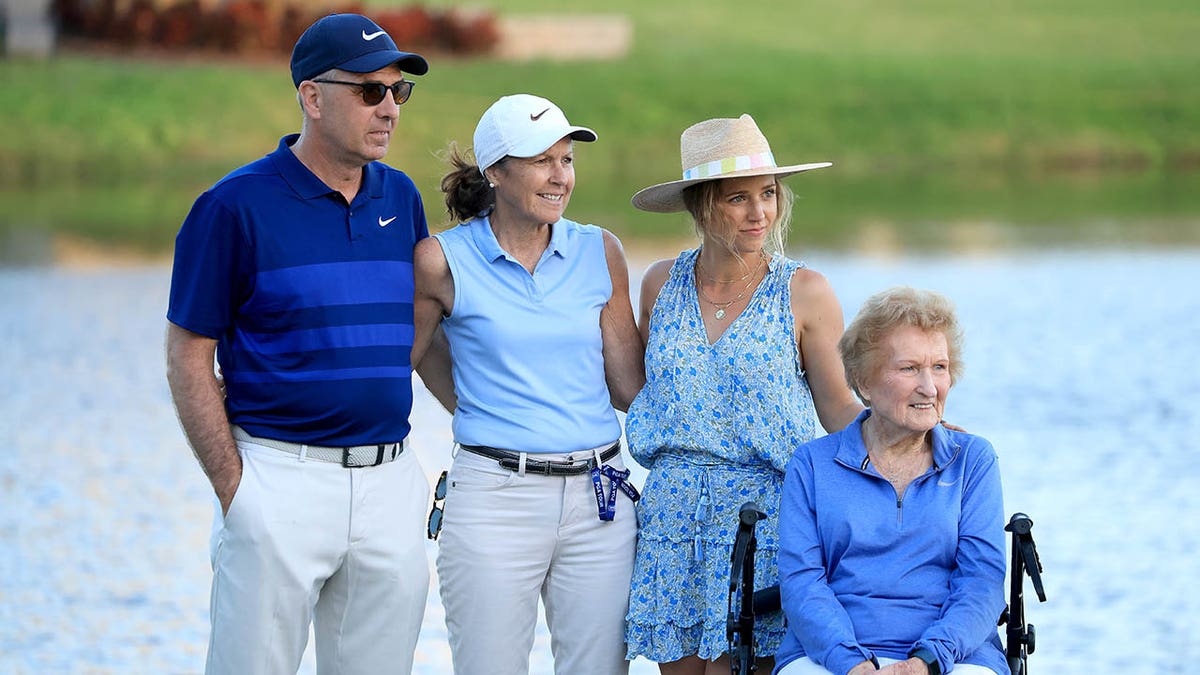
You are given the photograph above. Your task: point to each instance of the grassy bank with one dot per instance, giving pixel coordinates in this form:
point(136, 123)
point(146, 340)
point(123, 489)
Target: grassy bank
point(921, 91)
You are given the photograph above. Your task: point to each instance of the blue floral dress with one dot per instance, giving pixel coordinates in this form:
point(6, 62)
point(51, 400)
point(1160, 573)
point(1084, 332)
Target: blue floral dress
point(715, 425)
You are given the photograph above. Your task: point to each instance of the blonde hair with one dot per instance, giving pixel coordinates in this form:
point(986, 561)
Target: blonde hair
point(883, 312)
point(702, 200)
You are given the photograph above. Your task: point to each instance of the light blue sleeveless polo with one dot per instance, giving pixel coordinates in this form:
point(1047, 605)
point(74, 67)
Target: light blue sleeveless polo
point(528, 360)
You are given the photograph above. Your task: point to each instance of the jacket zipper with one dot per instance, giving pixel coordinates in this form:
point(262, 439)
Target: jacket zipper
point(899, 497)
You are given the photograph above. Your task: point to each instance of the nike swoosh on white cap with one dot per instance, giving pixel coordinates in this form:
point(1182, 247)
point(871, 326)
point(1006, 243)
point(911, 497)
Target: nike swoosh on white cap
point(372, 36)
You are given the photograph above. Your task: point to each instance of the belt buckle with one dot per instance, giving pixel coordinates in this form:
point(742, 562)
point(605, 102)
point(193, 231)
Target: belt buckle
point(346, 460)
point(378, 458)
point(575, 468)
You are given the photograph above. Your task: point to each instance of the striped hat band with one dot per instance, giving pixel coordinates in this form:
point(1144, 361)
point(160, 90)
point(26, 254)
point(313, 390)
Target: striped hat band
point(721, 167)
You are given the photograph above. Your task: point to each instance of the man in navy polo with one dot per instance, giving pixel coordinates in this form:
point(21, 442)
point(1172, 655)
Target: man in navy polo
point(296, 270)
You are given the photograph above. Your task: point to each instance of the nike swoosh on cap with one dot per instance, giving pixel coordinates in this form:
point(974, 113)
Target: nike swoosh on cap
point(539, 115)
point(372, 36)
point(385, 223)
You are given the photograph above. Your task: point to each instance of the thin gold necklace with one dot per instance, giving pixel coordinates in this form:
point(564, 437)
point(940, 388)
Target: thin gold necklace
point(762, 255)
point(722, 306)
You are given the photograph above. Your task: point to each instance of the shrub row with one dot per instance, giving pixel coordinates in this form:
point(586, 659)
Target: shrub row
point(260, 26)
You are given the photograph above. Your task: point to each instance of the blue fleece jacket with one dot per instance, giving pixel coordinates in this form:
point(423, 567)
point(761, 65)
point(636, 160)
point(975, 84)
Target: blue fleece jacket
point(865, 572)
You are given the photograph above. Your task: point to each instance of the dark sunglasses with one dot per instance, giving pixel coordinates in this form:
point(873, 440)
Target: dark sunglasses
point(435, 516)
point(373, 92)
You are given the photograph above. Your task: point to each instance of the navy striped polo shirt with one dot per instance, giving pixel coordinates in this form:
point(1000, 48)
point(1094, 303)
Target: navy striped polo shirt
point(310, 299)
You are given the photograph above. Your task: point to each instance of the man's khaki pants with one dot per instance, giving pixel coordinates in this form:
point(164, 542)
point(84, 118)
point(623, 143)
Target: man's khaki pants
point(312, 542)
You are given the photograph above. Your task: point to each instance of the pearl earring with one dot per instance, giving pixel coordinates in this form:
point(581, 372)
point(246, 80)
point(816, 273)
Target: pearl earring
point(491, 184)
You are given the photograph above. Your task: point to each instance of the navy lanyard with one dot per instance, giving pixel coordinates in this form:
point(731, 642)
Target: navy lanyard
point(607, 505)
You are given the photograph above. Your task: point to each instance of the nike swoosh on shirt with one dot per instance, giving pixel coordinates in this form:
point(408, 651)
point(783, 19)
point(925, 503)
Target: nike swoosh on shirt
point(372, 36)
point(385, 223)
point(942, 483)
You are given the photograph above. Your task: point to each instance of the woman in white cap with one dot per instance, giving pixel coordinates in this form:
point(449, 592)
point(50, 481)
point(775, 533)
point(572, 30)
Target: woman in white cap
point(741, 363)
point(537, 314)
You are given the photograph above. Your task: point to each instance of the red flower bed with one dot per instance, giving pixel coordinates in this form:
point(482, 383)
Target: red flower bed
point(261, 26)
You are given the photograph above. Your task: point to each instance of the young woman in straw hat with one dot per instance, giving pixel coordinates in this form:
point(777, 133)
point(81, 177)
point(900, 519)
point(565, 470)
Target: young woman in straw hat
point(741, 363)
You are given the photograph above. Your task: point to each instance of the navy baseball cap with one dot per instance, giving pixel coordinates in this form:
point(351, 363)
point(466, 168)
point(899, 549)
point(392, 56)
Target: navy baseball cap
point(349, 42)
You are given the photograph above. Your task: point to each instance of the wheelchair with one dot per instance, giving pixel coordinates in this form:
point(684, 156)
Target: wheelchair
point(745, 602)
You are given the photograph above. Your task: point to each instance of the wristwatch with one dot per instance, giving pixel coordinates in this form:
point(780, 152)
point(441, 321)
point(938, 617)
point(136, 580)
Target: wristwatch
point(928, 657)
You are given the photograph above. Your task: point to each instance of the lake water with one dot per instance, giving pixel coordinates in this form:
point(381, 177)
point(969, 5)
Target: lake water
point(1081, 367)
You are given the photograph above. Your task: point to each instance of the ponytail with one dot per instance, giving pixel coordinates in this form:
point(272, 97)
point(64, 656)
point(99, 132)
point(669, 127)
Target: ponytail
point(468, 194)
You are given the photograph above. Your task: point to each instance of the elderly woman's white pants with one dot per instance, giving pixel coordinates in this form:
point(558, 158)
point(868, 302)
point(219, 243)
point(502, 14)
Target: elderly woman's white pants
point(506, 541)
point(805, 666)
point(311, 542)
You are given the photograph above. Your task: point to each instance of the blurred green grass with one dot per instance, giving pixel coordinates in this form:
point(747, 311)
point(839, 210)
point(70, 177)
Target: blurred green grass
point(992, 109)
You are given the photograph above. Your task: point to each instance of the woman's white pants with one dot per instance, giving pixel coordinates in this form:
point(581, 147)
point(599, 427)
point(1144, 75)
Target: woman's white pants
point(509, 539)
point(805, 666)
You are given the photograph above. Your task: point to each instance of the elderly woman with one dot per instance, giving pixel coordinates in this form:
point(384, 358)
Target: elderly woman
point(741, 361)
point(537, 314)
point(892, 531)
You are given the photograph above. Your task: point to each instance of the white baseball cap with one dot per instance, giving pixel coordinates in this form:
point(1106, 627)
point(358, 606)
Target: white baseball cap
point(522, 125)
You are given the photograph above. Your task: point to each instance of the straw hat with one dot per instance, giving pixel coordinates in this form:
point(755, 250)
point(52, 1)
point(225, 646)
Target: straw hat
point(716, 149)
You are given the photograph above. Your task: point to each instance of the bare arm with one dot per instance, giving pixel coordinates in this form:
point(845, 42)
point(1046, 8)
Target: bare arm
point(818, 316)
point(200, 405)
point(432, 300)
point(652, 282)
point(437, 372)
point(624, 351)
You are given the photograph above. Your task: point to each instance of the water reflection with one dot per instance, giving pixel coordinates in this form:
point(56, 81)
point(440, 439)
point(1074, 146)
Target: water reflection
point(864, 210)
